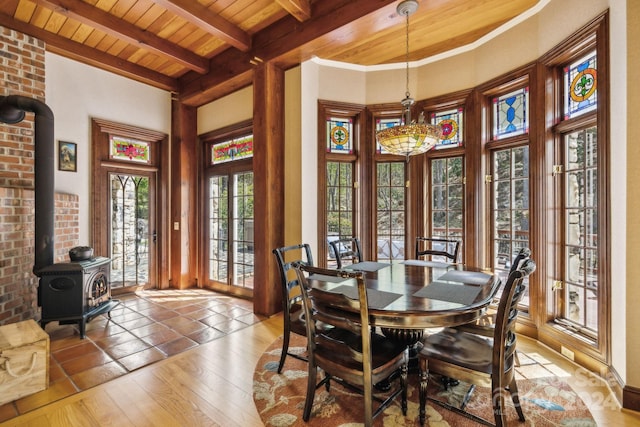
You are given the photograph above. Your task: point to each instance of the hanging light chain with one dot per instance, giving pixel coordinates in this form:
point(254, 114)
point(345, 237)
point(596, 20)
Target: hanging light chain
point(407, 53)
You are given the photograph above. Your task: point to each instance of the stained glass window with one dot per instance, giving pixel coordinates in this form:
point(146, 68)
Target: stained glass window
point(451, 123)
point(384, 124)
point(235, 149)
point(339, 135)
point(580, 86)
point(130, 150)
point(510, 114)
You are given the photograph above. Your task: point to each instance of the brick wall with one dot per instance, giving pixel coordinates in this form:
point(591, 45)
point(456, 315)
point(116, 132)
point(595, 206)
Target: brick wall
point(66, 225)
point(22, 72)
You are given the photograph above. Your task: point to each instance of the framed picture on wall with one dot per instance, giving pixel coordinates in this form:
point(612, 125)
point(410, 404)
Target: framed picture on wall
point(67, 156)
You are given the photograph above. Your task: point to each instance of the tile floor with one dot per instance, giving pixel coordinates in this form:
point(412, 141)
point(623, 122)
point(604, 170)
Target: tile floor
point(145, 327)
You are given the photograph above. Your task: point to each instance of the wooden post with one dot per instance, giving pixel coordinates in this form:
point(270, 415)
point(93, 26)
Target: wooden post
point(184, 209)
point(268, 169)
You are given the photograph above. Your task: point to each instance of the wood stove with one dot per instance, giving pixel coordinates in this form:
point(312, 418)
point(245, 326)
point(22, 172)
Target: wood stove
point(75, 292)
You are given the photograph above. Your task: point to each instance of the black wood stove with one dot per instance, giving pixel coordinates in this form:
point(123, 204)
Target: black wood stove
point(75, 292)
point(71, 292)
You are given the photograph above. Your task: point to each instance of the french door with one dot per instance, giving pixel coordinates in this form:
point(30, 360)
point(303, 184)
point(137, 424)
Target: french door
point(129, 204)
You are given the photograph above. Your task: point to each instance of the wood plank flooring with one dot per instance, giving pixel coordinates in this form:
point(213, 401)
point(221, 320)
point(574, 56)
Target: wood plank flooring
point(211, 385)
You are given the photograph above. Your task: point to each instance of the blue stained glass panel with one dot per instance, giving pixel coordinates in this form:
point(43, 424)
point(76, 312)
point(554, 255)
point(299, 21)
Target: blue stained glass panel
point(384, 124)
point(511, 114)
point(580, 86)
point(339, 135)
point(451, 122)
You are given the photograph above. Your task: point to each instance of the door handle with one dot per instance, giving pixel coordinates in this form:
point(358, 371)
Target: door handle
point(155, 236)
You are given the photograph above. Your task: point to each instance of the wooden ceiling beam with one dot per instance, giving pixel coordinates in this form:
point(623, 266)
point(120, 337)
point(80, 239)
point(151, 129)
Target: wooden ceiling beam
point(300, 9)
point(81, 53)
point(277, 40)
point(200, 16)
point(114, 26)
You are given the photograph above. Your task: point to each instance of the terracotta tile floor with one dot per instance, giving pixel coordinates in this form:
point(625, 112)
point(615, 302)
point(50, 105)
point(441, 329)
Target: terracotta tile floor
point(144, 328)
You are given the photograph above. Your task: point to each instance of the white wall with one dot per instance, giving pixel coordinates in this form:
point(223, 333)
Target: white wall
point(76, 93)
point(226, 111)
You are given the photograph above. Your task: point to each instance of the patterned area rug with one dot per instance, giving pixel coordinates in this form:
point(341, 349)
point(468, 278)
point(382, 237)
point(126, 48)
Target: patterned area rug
point(279, 398)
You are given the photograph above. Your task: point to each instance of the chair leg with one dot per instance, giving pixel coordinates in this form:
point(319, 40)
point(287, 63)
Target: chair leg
point(311, 392)
point(498, 405)
point(285, 347)
point(515, 397)
point(424, 378)
point(367, 389)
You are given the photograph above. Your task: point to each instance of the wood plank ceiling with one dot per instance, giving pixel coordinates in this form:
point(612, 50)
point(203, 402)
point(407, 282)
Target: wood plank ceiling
point(204, 49)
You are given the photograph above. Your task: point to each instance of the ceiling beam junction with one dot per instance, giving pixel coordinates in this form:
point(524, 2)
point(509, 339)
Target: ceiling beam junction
point(116, 27)
point(202, 17)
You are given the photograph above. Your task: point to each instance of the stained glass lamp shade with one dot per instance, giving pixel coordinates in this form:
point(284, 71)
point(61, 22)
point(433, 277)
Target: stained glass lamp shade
point(409, 138)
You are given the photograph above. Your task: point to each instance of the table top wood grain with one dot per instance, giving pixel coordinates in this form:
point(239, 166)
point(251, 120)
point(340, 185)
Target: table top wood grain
point(416, 294)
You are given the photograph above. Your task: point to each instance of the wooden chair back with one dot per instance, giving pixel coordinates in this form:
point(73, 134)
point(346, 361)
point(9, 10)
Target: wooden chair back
point(504, 338)
point(346, 251)
point(434, 247)
point(291, 296)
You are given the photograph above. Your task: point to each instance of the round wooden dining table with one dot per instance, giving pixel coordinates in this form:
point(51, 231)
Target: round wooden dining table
point(407, 297)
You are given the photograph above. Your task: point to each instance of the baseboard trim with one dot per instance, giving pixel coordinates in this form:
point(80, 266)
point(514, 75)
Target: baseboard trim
point(631, 398)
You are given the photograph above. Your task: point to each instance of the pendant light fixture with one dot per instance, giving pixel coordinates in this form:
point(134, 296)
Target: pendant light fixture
point(409, 138)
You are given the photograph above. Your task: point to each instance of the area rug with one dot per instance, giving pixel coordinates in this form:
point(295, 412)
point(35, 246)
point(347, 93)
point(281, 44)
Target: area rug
point(279, 399)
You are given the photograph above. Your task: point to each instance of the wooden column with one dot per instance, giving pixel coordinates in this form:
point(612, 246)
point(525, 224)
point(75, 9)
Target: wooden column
point(185, 155)
point(268, 169)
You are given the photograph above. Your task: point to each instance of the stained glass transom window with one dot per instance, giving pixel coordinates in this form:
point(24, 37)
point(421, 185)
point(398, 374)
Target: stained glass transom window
point(510, 114)
point(235, 149)
point(580, 86)
point(339, 135)
point(130, 150)
point(384, 124)
point(451, 123)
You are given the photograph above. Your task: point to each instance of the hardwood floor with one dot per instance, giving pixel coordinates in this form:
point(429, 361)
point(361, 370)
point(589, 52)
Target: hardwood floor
point(211, 385)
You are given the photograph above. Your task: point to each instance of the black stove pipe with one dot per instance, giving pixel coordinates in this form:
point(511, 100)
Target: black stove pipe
point(12, 110)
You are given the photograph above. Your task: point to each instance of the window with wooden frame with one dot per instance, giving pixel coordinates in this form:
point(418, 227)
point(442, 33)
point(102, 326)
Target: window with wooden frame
point(338, 170)
point(579, 283)
point(446, 171)
point(390, 193)
point(507, 109)
point(228, 201)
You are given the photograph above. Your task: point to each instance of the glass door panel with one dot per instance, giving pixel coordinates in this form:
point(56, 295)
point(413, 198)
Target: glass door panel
point(132, 233)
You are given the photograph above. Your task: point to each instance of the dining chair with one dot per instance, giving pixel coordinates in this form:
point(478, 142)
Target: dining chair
point(485, 324)
point(476, 359)
point(293, 312)
point(437, 248)
point(351, 353)
point(346, 251)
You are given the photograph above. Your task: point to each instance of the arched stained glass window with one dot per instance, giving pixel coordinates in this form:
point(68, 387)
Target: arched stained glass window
point(511, 114)
point(451, 123)
point(339, 135)
point(580, 86)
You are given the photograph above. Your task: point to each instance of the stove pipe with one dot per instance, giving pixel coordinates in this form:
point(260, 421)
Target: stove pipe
point(12, 110)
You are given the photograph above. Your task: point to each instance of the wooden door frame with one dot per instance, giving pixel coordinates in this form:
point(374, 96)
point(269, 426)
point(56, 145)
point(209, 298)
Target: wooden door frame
point(103, 164)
